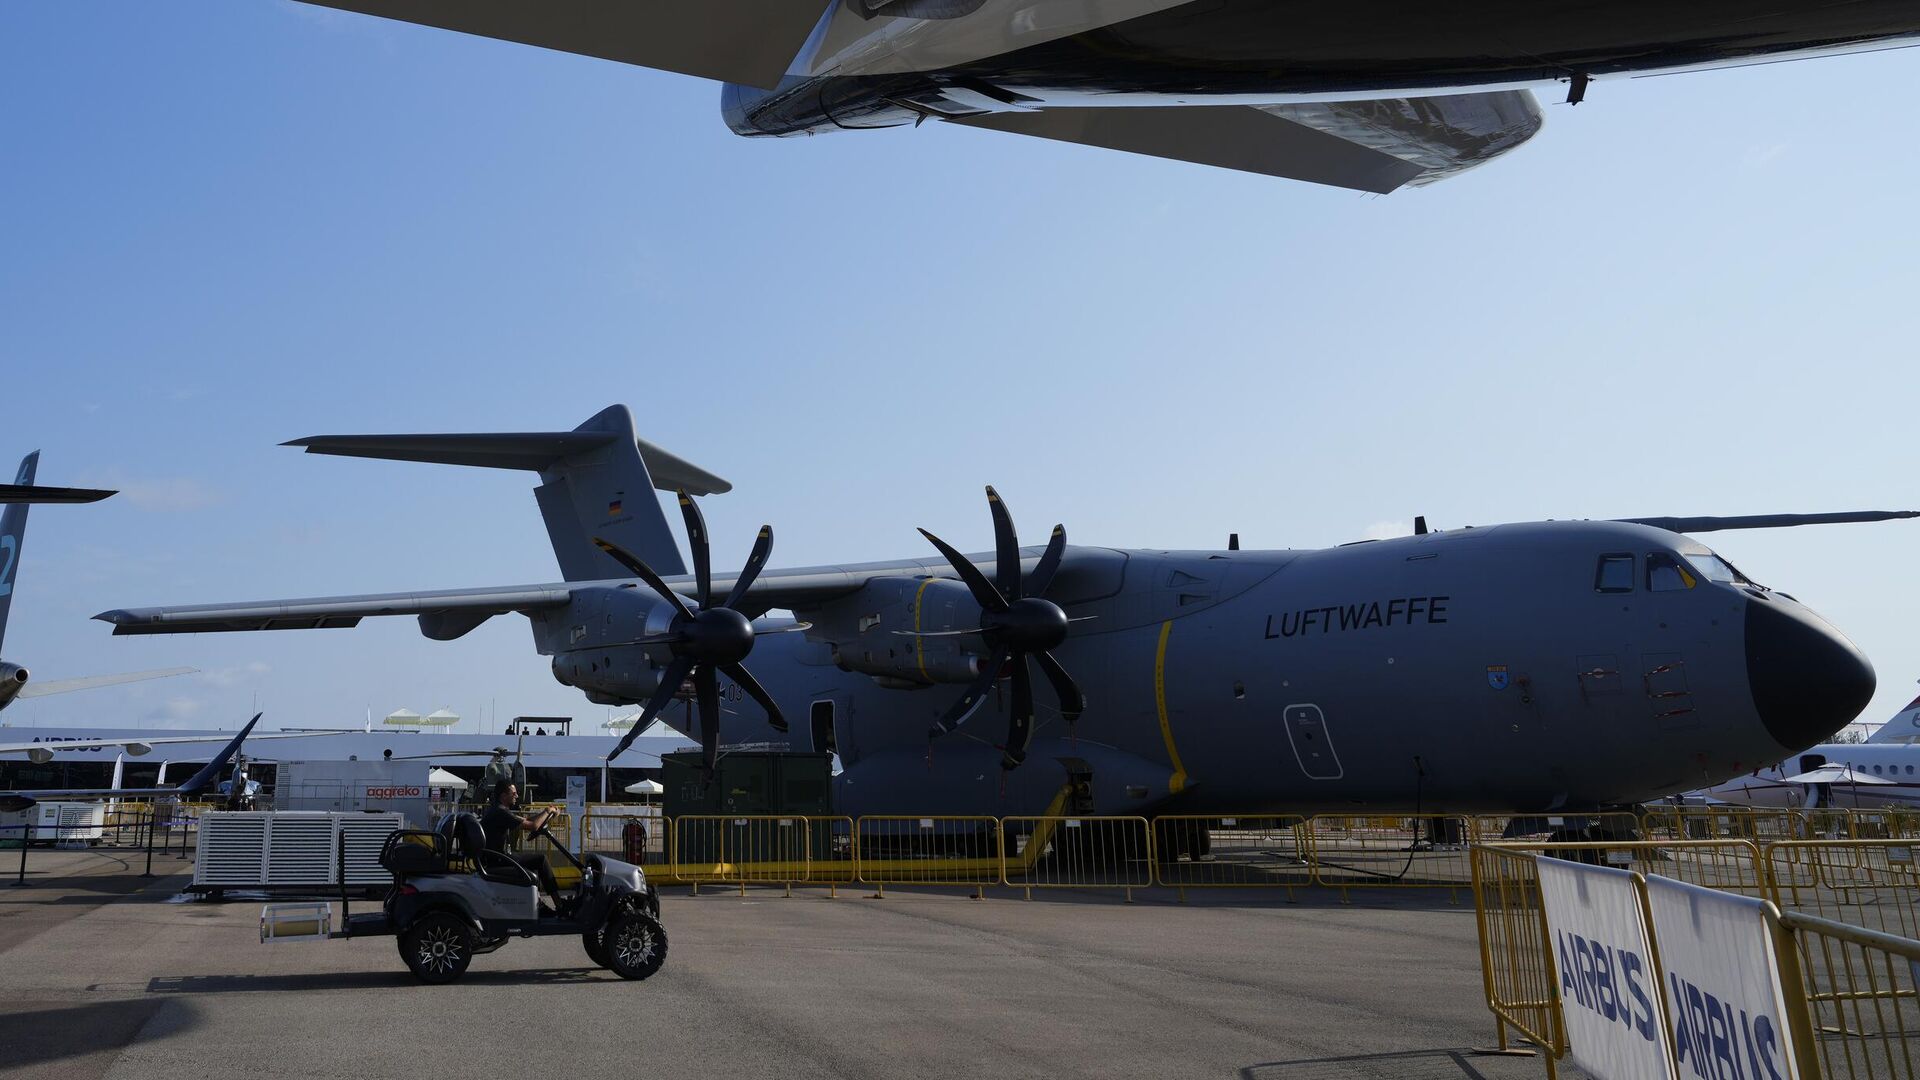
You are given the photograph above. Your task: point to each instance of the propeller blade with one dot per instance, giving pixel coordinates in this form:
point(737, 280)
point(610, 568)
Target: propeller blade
point(697, 541)
point(670, 681)
point(656, 639)
point(756, 561)
point(758, 693)
point(970, 701)
point(708, 691)
point(1042, 575)
point(1020, 722)
point(644, 573)
point(984, 593)
point(760, 631)
point(1006, 547)
point(936, 633)
point(1072, 702)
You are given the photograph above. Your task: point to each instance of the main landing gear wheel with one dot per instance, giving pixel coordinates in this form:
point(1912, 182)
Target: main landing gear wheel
point(636, 945)
point(438, 947)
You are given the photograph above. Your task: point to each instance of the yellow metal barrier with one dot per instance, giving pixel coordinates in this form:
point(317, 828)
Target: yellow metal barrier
point(1856, 997)
point(1063, 852)
point(905, 850)
point(1515, 964)
point(1192, 851)
point(1761, 825)
point(1556, 828)
point(741, 850)
point(1405, 851)
point(1730, 865)
point(634, 834)
point(1867, 883)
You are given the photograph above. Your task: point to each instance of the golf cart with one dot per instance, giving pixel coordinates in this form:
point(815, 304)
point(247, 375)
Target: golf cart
point(453, 899)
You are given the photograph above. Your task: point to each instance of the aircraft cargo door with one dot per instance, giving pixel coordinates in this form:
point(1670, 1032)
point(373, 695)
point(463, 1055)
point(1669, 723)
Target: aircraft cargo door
point(1312, 746)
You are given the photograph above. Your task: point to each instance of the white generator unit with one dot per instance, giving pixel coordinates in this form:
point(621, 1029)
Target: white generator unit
point(267, 850)
point(61, 823)
point(341, 786)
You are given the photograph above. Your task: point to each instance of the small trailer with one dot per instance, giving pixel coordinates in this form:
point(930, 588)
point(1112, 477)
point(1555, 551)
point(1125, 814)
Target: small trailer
point(452, 900)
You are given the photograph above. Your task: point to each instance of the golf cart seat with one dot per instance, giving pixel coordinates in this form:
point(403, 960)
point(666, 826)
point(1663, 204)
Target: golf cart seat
point(469, 842)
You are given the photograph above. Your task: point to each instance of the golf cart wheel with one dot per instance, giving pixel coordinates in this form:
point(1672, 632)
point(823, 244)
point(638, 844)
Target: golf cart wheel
point(636, 945)
point(438, 947)
point(596, 942)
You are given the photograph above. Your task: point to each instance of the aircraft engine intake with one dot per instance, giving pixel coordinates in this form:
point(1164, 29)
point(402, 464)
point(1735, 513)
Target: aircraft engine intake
point(13, 679)
point(1017, 625)
point(703, 641)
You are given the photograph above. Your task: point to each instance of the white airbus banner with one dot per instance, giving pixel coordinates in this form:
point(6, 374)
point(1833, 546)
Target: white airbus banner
point(1722, 978)
point(1609, 992)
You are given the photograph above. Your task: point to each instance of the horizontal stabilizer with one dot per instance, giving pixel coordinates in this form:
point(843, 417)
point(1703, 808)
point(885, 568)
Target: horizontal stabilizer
point(31, 493)
point(533, 451)
point(63, 686)
point(1767, 521)
point(742, 41)
point(1374, 146)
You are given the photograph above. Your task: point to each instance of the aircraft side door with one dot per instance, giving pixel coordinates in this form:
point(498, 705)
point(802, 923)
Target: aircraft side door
point(1312, 744)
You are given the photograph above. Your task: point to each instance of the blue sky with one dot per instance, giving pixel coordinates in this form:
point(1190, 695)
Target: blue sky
point(225, 225)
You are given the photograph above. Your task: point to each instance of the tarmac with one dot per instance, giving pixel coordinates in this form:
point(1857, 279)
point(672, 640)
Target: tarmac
point(108, 974)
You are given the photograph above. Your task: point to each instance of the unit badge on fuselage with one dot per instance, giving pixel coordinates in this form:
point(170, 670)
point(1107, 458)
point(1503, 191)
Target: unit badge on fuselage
point(1497, 676)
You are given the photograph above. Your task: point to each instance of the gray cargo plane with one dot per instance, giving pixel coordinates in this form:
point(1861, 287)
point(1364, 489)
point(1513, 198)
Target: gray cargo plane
point(1538, 667)
point(15, 681)
point(1371, 95)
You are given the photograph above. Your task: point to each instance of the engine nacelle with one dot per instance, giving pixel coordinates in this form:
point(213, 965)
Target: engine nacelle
point(865, 629)
point(13, 679)
point(592, 642)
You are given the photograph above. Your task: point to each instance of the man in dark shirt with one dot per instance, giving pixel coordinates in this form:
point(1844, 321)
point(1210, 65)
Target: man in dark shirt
point(500, 822)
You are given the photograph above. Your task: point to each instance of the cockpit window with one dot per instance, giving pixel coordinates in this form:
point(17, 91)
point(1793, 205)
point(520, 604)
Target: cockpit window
point(1714, 568)
point(1614, 574)
point(1665, 574)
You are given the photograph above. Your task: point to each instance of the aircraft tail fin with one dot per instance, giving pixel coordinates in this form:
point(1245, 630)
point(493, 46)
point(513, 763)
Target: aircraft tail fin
point(13, 531)
point(596, 480)
point(211, 771)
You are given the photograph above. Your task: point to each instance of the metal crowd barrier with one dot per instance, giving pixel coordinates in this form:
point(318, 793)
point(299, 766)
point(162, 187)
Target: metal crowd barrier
point(1064, 852)
point(906, 850)
point(1515, 969)
point(741, 850)
point(1858, 988)
point(1404, 851)
point(1193, 851)
point(1867, 883)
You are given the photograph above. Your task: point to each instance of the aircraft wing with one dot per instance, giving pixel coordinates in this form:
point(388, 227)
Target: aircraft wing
point(62, 686)
point(32, 493)
point(1376, 146)
point(741, 41)
point(782, 589)
point(1768, 521)
point(42, 752)
point(328, 612)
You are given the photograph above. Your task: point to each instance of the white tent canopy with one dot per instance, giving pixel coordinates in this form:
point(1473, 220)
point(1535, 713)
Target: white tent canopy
point(445, 779)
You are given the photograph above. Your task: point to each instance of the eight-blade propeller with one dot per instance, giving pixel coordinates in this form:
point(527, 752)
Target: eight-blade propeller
point(704, 642)
point(1017, 625)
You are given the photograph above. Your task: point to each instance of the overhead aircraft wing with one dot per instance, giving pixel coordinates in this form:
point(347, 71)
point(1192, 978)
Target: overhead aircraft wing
point(775, 589)
point(42, 752)
point(1767, 521)
point(62, 686)
point(34, 493)
point(1376, 146)
point(328, 612)
point(193, 785)
point(742, 41)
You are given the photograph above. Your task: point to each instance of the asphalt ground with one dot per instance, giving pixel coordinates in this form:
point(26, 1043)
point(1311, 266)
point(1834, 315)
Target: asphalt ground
point(105, 975)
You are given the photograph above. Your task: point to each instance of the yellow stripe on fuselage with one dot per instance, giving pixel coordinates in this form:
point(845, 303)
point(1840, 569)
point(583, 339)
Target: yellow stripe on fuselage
point(920, 643)
point(1177, 782)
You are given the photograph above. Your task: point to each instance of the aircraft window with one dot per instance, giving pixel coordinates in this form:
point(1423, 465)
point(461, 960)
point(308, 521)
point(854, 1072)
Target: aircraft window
point(1665, 574)
point(1615, 574)
point(1909, 770)
point(1714, 568)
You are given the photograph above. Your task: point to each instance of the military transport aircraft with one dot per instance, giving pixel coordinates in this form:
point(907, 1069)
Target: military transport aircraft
point(18, 496)
point(1541, 666)
point(1365, 94)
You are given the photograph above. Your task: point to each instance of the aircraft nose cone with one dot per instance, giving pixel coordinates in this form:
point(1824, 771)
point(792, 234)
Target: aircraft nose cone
point(1808, 681)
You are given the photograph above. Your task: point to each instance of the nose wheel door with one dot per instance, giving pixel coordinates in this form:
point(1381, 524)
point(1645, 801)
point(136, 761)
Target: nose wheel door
point(1312, 745)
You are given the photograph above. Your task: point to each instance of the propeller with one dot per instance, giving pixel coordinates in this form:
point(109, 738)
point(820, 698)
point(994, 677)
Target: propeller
point(1018, 626)
point(706, 641)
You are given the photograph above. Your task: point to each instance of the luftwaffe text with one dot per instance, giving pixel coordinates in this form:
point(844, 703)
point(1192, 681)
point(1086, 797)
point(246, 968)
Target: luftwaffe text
point(1400, 611)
